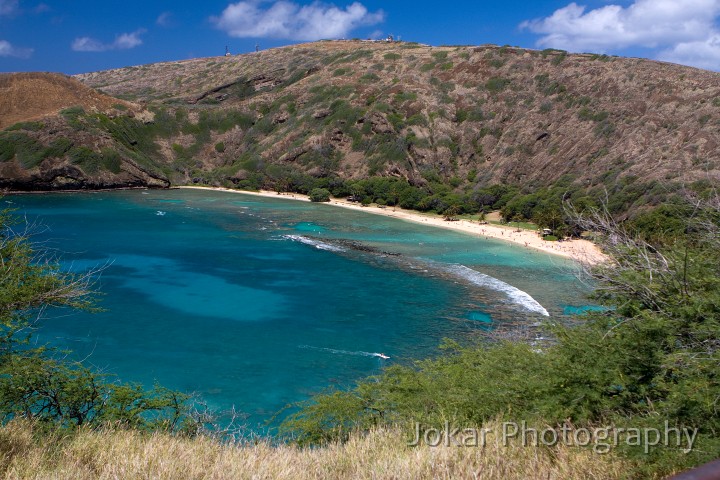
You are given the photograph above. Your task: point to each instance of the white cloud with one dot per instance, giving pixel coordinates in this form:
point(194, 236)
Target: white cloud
point(8, 7)
point(42, 8)
point(124, 41)
point(646, 23)
point(288, 20)
point(164, 19)
point(8, 50)
point(684, 31)
point(87, 44)
point(701, 54)
point(128, 40)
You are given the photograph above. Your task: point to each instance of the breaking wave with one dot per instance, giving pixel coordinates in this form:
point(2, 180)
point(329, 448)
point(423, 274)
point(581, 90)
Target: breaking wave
point(515, 294)
point(313, 242)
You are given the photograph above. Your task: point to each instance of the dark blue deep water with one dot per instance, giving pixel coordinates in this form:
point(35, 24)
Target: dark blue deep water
point(255, 303)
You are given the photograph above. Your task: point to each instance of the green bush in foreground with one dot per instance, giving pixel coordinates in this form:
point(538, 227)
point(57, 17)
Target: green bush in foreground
point(648, 361)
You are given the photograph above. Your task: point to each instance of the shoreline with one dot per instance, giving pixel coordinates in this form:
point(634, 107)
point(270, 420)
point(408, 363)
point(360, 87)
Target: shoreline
point(582, 251)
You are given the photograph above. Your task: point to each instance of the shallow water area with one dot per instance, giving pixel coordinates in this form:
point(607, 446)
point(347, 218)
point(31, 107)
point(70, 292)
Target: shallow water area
point(259, 302)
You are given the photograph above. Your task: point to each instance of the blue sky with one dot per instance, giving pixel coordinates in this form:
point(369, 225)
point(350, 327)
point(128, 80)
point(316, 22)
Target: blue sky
point(75, 36)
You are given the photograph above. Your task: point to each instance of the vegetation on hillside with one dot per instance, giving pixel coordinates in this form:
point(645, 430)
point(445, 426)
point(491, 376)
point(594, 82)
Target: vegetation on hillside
point(451, 122)
point(140, 142)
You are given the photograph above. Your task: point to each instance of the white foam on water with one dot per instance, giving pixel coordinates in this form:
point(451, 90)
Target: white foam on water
point(313, 242)
point(343, 352)
point(515, 294)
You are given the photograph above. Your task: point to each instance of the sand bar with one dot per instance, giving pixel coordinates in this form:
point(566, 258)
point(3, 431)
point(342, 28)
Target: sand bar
point(579, 250)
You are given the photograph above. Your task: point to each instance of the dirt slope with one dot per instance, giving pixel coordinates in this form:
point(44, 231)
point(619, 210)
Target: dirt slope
point(512, 115)
point(34, 95)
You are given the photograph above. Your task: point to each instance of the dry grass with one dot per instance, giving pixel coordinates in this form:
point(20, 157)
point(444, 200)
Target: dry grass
point(31, 96)
point(380, 455)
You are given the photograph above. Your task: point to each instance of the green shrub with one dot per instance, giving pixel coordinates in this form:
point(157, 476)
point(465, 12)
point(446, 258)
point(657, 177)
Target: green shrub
point(586, 114)
point(111, 160)
point(29, 152)
point(397, 120)
point(369, 78)
point(356, 55)
point(402, 97)
point(417, 119)
point(7, 149)
point(87, 159)
point(547, 87)
point(496, 84)
point(319, 195)
point(72, 111)
point(243, 89)
point(604, 128)
point(440, 56)
point(558, 59)
point(29, 126)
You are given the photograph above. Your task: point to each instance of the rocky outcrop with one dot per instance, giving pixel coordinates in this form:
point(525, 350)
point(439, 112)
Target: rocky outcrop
point(56, 174)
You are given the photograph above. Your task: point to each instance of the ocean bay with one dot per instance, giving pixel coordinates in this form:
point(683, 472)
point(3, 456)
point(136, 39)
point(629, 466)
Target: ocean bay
point(257, 302)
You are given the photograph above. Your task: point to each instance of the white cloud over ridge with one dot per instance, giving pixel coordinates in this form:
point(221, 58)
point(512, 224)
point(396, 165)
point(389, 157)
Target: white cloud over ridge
point(684, 31)
point(288, 20)
point(8, 50)
point(124, 41)
point(702, 54)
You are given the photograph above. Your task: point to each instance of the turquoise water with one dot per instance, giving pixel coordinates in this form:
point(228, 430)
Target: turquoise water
point(256, 303)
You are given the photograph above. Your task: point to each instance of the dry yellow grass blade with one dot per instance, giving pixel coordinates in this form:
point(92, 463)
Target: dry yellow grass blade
point(383, 454)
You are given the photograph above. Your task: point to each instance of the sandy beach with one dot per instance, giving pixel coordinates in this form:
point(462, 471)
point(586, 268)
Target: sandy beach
point(582, 251)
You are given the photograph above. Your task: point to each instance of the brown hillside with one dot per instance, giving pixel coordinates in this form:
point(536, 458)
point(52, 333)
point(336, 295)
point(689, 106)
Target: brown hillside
point(467, 117)
point(56, 154)
point(513, 115)
point(34, 95)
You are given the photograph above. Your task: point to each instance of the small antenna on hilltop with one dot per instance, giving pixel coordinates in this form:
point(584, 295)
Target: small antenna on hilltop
point(257, 47)
point(227, 51)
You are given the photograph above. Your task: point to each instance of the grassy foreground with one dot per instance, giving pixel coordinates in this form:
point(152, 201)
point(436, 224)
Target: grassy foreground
point(129, 454)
